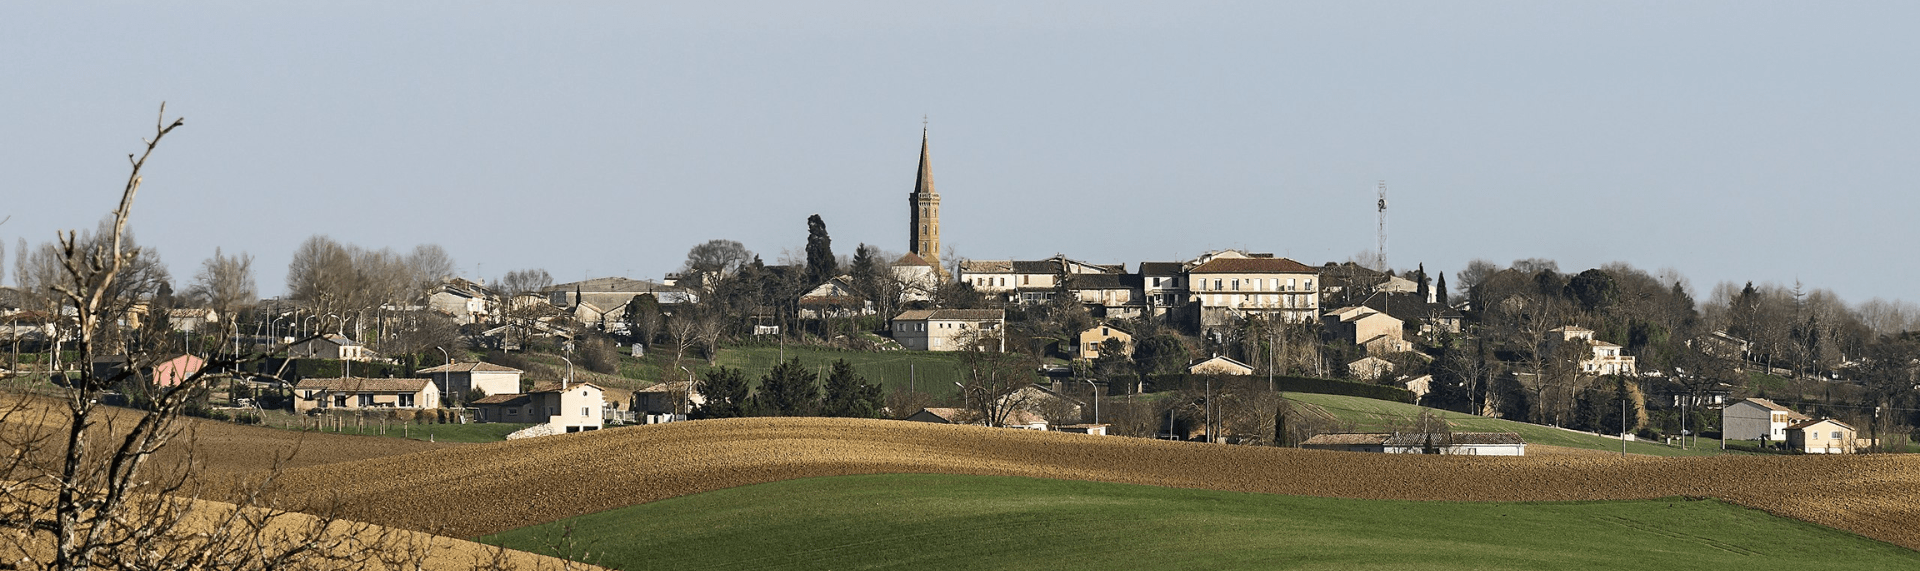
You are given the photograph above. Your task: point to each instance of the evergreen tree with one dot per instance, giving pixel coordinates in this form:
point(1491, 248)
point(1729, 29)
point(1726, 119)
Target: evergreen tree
point(850, 395)
point(1440, 290)
point(788, 390)
point(1420, 277)
point(820, 263)
point(725, 390)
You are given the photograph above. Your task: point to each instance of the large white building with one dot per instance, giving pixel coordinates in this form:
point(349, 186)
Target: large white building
point(949, 329)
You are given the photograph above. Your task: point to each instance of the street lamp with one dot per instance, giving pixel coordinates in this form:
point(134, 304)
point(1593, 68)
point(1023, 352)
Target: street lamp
point(686, 393)
point(446, 376)
point(1096, 398)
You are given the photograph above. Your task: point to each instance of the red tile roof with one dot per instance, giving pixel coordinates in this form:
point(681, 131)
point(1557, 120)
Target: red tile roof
point(482, 367)
point(1254, 266)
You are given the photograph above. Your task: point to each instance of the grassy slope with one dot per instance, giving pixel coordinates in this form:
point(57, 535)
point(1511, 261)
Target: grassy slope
point(978, 522)
point(932, 373)
point(1370, 414)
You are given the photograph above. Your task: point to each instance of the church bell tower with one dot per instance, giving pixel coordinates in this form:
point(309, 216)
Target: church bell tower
point(924, 203)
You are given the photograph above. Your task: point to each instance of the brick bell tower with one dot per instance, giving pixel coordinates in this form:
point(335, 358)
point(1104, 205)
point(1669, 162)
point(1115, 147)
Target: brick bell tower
point(924, 204)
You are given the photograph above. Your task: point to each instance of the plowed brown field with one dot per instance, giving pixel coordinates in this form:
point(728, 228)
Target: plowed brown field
point(218, 447)
point(478, 489)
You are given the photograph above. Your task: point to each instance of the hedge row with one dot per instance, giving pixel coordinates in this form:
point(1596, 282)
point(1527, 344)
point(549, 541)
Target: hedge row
point(1286, 384)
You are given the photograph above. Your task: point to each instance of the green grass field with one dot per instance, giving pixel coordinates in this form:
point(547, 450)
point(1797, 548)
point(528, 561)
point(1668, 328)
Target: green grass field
point(1374, 415)
point(975, 522)
point(932, 373)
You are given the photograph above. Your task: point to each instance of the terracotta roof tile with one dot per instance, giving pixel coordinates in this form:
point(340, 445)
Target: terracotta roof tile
point(358, 384)
point(481, 366)
point(1254, 266)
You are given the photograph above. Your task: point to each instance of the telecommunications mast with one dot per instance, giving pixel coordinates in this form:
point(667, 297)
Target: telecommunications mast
point(1382, 205)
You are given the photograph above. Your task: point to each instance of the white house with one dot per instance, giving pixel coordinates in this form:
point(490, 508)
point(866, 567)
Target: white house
point(575, 407)
point(1758, 419)
point(949, 329)
point(1602, 358)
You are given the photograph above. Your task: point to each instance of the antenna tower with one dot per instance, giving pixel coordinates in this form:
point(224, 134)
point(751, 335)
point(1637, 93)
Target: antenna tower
point(1382, 205)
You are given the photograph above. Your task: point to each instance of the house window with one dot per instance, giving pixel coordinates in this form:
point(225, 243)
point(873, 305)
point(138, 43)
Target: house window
point(1309, 285)
point(513, 412)
point(406, 400)
point(1290, 284)
point(366, 400)
point(1216, 283)
point(1836, 435)
point(1236, 285)
point(583, 412)
point(1026, 280)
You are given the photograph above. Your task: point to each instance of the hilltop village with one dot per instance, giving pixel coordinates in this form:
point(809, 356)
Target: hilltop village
point(1189, 349)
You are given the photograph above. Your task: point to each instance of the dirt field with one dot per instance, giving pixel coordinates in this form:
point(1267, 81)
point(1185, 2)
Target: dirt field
point(220, 447)
point(477, 489)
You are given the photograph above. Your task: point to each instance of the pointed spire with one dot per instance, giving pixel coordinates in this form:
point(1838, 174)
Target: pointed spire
point(924, 182)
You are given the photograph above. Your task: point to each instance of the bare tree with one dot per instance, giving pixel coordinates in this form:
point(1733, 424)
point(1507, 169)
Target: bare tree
point(80, 493)
point(720, 258)
point(429, 264)
point(226, 283)
point(322, 274)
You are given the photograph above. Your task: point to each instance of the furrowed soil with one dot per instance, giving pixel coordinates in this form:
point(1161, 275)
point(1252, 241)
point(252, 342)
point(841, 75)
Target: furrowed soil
point(216, 447)
point(473, 490)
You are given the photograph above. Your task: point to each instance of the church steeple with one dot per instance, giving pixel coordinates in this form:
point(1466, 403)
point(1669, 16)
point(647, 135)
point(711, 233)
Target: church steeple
point(924, 207)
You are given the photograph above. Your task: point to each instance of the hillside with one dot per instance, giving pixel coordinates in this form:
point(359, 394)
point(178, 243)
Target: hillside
point(1369, 415)
point(489, 488)
point(889, 521)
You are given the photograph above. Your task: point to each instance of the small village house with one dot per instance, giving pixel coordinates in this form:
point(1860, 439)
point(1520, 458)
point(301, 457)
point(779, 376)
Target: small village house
point(1823, 436)
point(1369, 368)
point(666, 402)
point(1378, 332)
point(574, 407)
point(1087, 345)
point(355, 393)
point(456, 380)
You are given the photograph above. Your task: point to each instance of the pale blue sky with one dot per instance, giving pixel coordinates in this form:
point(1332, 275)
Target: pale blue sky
point(1731, 141)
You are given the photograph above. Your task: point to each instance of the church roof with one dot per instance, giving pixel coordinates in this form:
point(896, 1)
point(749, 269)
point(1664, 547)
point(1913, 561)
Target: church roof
point(923, 183)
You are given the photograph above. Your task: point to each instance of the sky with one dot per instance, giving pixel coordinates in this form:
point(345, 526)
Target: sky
point(1729, 141)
